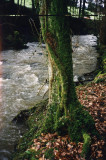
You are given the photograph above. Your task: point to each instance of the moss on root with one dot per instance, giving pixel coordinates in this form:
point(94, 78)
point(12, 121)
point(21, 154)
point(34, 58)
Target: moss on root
point(86, 145)
point(76, 123)
point(101, 72)
point(79, 126)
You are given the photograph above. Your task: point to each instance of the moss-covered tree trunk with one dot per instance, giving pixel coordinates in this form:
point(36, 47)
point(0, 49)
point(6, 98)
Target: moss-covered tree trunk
point(103, 27)
point(65, 114)
point(56, 33)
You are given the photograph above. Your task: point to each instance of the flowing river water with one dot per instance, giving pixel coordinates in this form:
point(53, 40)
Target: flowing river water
point(23, 75)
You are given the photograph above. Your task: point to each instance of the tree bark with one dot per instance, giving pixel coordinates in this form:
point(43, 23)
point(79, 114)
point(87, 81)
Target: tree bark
point(103, 27)
point(33, 6)
point(80, 8)
point(56, 33)
point(21, 2)
point(83, 8)
point(18, 2)
point(12, 2)
point(65, 113)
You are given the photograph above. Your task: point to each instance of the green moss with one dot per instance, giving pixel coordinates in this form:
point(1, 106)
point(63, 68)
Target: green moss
point(80, 122)
point(35, 116)
point(101, 71)
point(86, 145)
point(102, 58)
point(100, 77)
point(65, 114)
point(29, 154)
point(49, 154)
point(74, 125)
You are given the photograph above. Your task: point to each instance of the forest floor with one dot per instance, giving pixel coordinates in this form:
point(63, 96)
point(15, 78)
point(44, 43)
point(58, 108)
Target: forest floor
point(92, 96)
point(54, 147)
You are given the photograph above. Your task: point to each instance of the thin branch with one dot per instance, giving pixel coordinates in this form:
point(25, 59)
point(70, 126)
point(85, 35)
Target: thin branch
point(7, 24)
point(45, 93)
point(42, 86)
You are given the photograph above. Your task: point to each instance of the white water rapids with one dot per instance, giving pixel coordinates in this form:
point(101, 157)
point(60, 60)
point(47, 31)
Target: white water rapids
point(24, 74)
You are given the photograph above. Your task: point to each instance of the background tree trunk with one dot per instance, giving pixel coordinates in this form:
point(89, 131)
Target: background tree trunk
point(80, 8)
point(33, 5)
point(83, 8)
point(12, 2)
point(21, 2)
point(18, 2)
point(24, 4)
point(103, 27)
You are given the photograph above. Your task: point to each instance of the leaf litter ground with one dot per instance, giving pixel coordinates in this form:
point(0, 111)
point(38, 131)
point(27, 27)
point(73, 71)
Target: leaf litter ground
point(54, 147)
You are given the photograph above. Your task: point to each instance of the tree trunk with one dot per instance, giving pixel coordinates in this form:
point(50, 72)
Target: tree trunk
point(56, 33)
point(80, 8)
point(21, 2)
point(83, 9)
point(18, 2)
point(33, 5)
point(76, 6)
point(24, 3)
point(65, 114)
point(103, 27)
point(12, 2)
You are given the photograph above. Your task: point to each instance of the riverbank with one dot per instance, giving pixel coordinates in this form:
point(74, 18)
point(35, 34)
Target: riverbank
point(21, 66)
point(28, 27)
point(52, 146)
point(36, 146)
